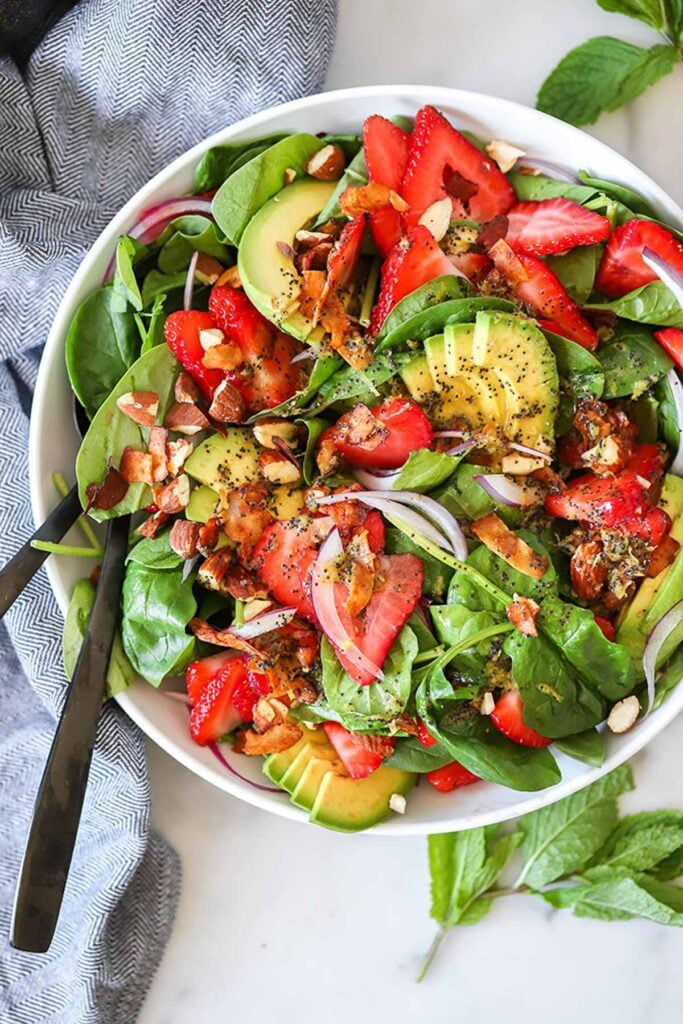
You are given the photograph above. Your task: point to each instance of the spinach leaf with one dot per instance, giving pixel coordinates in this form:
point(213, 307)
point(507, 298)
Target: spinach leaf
point(424, 470)
point(151, 326)
point(314, 428)
point(102, 343)
point(436, 575)
point(465, 498)
point(651, 304)
point(111, 431)
point(576, 270)
point(441, 289)
point(433, 319)
point(621, 193)
point(245, 191)
point(349, 144)
point(588, 747)
point(347, 384)
point(565, 836)
point(157, 606)
point(632, 361)
point(220, 161)
point(411, 756)
point(120, 673)
point(670, 678)
point(667, 417)
point(604, 665)
point(541, 186)
point(356, 173)
point(125, 284)
point(383, 700)
point(581, 376)
point(186, 235)
point(323, 368)
point(465, 591)
point(454, 623)
point(170, 287)
point(155, 553)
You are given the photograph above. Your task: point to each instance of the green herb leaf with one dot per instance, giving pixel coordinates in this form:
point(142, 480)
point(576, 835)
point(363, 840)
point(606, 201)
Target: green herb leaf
point(120, 673)
point(185, 236)
point(125, 285)
point(576, 270)
point(616, 894)
point(651, 304)
point(437, 576)
point(155, 553)
point(641, 841)
point(632, 361)
point(424, 470)
point(383, 700)
point(157, 606)
point(219, 162)
point(649, 11)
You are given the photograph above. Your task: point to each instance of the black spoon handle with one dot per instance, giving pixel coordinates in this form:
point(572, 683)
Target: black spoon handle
point(25, 564)
point(58, 806)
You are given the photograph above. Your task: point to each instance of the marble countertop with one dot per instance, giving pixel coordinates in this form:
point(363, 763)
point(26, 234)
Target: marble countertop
point(281, 922)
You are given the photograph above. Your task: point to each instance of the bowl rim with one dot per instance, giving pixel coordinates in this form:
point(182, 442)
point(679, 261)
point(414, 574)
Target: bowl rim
point(417, 95)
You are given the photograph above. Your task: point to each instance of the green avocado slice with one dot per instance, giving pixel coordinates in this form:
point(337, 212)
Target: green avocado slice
point(350, 805)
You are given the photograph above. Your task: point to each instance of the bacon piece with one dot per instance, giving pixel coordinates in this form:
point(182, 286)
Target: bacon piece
point(109, 493)
point(368, 198)
point(662, 556)
point(588, 570)
point(499, 538)
point(522, 614)
point(245, 515)
point(281, 736)
point(137, 467)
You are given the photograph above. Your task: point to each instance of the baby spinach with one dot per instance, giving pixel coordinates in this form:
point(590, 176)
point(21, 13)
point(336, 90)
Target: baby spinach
point(151, 325)
point(651, 304)
point(581, 376)
point(314, 428)
point(576, 270)
point(103, 341)
point(464, 590)
point(355, 174)
point(383, 700)
point(120, 673)
point(433, 319)
point(588, 746)
point(632, 361)
point(436, 575)
point(220, 161)
point(245, 191)
point(454, 624)
point(670, 678)
point(424, 470)
point(111, 431)
point(441, 289)
point(541, 186)
point(621, 193)
point(186, 235)
point(411, 756)
point(667, 417)
point(155, 553)
point(125, 283)
point(347, 384)
point(157, 606)
point(467, 499)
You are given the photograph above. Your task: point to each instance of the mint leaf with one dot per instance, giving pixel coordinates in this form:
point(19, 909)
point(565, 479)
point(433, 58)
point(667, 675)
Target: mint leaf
point(649, 11)
point(641, 841)
point(602, 74)
point(614, 894)
point(455, 860)
point(562, 838)
point(479, 904)
point(674, 19)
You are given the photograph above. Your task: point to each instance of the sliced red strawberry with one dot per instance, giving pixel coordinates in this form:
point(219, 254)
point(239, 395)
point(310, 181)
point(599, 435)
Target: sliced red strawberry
point(474, 265)
point(623, 269)
point(424, 736)
point(214, 714)
point(437, 152)
point(360, 755)
point(451, 776)
point(247, 692)
point(283, 557)
point(407, 427)
point(671, 340)
point(386, 228)
point(350, 518)
point(181, 331)
point(553, 225)
point(605, 627)
point(386, 149)
point(414, 261)
point(508, 718)
point(650, 525)
point(540, 290)
point(199, 673)
point(343, 259)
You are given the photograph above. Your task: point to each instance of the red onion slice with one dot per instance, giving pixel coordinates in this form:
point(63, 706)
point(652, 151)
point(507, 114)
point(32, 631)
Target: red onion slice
point(264, 623)
point(215, 750)
point(189, 282)
point(666, 273)
point(549, 169)
point(440, 516)
point(655, 641)
point(461, 448)
point(158, 217)
point(376, 481)
point(325, 606)
point(307, 353)
point(507, 492)
point(450, 433)
point(677, 393)
point(535, 453)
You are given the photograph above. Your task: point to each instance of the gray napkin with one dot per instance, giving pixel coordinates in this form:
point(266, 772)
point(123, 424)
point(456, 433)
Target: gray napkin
point(114, 92)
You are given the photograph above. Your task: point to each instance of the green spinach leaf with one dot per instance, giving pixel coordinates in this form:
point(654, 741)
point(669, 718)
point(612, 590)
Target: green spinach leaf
point(667, 417)
point(155, 553)
point(424, 470)
point(576, 270)
point(465, 498)
point(620, 193)
point(632, 361)
point(120, 673)
point(437, 576)
point(441, 289)
point(432, 320)
point(588, 746)
point(465, 591)
point(651, 304)
point(347, 384)
point(383, 700)
point(125, 284)
point(356, 174)
point(219, 162)
point(411, 756)
point(186, 235)
point(157, 606)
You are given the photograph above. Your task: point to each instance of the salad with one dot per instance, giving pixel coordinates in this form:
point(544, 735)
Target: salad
point(398, 420)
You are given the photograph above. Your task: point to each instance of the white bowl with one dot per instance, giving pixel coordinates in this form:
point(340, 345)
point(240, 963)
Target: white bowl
point(54, 440)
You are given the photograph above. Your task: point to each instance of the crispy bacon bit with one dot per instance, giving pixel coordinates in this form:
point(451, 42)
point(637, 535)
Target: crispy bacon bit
point(185, 389)
point(153, 524)
point(173, 497)
point(499, 538)
point(493, 231)
point(550, 479)
point(109, 493)
point(602, 439)
point(662, 556)
point(588, 570)
point(136, 467)
point(460, 187)
point(245, 515)
point(280, 737)
point(186, 418)
point(367, 198)
point(522, 614)
point(326, 308)
point(507, 262)
point(223, 357)
point(183, 538)
point(139, 406)
point(304, 692)
point(230, 277)
point(207, 270)
point(358, 426)
point(359, 575)
point(405, 723)
point(382, 745)
point(315, 258)
point(310, 239)
point(227, 405)
point(176, 454)
point(156, 446)
point(209, 532)
point(224, 638)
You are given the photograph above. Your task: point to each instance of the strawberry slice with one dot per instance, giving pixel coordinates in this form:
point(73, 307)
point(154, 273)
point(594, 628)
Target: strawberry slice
point(474, 265)
point(508, 718)
point(361, 755)
point(539, 289)
point(386, 149)
point(406, 430)
point(214, 714)
point(605, 627)
point(283, 556)
point(343, 259)
point(623, 269)
point(424, 736)
point(199, 673)
point(438, 152)
point(413, 261)
point(671, 340)
point(451, 776)
point(553, 225)
point(181, 331)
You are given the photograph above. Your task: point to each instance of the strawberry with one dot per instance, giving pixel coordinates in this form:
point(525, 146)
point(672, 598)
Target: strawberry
point(623, 269)
point(451, 776)
point(181, 331)
point(671, 340)
point(213, 713)
point(199, 673)
point(605, 627)
point(282, 559)
point(343, 259)
point(407, 429)
point(508, 718)
point(438, 152)
point(413, 261)
point(424, 736)
point(386, 149)
point(553, 226)
point(474, 265)
point(360, 755)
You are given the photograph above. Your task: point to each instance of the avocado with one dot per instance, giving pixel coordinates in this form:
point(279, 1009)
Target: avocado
point(499, 370)
point(275, 765)
point(349, 805)
point(655, 597)
point(305, 791)
point(323, 752)
point(268, 275)
point(225, 460)
point(202, 504)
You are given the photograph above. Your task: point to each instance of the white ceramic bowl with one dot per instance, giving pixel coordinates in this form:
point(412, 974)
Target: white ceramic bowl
point(54, 441)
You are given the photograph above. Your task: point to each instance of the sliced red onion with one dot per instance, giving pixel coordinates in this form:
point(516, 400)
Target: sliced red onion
point(307, 353)
point(460, 449)
point(507, 492)
point(215, 750)
point(666, 273)
point(264, 623)
point(188, 567)
point(533, 452)
point(450, 433)
point(377, 481)
point(655, 641)
point(549, 168)
point(677, 392)
point(189, 282)
point(439, 515)
point(325, 606)
point(285, 450)
point(158, 217)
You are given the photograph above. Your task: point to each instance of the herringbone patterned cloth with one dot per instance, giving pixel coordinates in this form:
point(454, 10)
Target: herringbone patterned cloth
point(116, 90)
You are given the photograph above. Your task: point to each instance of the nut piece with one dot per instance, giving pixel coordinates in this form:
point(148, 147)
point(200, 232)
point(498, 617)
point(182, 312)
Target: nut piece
point(327, 164)
point(183, 538)
point(504, 153)
point(488, 703)
point(289, 176)
point(173, 497)
point(156, 446)
point(227, 405)
point(230, 278)
point(521, 465)
point(437, 217)
point(223, 357)
point(397, 802)
point(137, 467)
point(213, 571)
point(176, 454)
point(186, 389)
point(211, 336)
point(139, 406)
point(208, 269)
point(255, 606)
point(186, 418)
point(265, 432)
point(276, 468)
point(624, 714)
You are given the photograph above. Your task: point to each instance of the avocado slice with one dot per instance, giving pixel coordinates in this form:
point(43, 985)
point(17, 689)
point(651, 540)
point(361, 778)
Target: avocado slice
point(268, 275)
point(202, 504)
point(292, 776)
point(305, 792)
point(275, 765)
point(225, 460)
point(655, 597)
point(349, 805)
point(499, 370)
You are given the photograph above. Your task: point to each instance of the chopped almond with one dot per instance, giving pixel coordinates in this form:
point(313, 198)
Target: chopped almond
point(499, 538)
point(213, 571)
point(507, 262)
point(276, 468)
point(137, 467)
point(588, 570)
point(183, 538)
point(140, 406)
point(230, 278)
point(624, 715)
point(208, 270)
point(186, 389)
point(210, 337)
point(267, 432)
point(156, 446)
point(327, 164)
point(522, 614)
point(368, 198)
point(173, 497)
point(176, 454)
point(153, 524)
point(662, 556)
point(504, 153)
point(209, 532)
point(521, 465)
point(227, 405)
point(186, 418)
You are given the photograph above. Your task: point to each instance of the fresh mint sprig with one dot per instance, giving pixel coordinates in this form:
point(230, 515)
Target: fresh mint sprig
point(576, 853)
point(604, 73)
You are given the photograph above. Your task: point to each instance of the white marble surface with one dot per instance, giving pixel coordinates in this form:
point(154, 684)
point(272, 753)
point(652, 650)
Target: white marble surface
point(279, 922)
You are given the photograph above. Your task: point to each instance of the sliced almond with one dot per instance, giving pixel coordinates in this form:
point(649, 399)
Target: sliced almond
point(276, 468)
point(437, 217)
point(186, 389)
point(521, 465)
point(176, 454)
point(156, 446)
point(255, 607)
point(186, 418)
point(211, 336)
point(289, 176)
point(213, 572)
point(398, 803)
point(140, 406)
point(227, 405)
point(267, 431)
point(488, 703)
point(183, 538)
point(624, 715)
point(504, 153)
point(327, 164)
